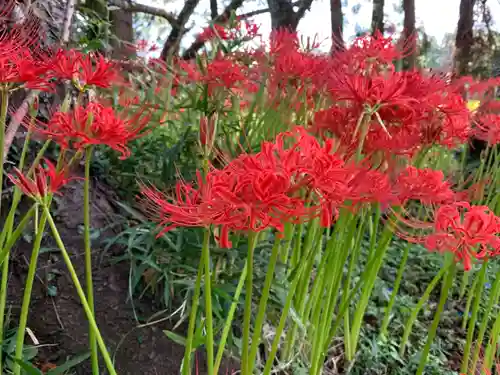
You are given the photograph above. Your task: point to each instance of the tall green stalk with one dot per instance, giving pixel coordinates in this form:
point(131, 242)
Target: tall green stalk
point(186, 363)
point(418, 307)
point(229, 320)
point(448, 283)
point(208, 303)
point(247, 317)
point(493, 300)
point(491, 349)
point(4, 97)
point(28, 287)
point(370, 276)
point(261, 312)
point(397, 283)
point(472, 321)
point(89, 283)
point(74, 277)
point(284, 316)
point(4, 106)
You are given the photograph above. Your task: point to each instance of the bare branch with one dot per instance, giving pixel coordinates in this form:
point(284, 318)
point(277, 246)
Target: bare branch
point(68, 18)
point(178, 31)
point(198, 44)
point(142, 8)
point(305, 6)
point(16, 120)
point(253, 13)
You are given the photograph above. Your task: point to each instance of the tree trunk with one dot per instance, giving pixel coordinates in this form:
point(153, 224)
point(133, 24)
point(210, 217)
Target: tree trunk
point(171, 46)
point(337, 20)
point(122, 28)
point(190, 53)
point(465, 37)
point(410, 37)
point(214, 11)
point(282, 15)
point(378, 16)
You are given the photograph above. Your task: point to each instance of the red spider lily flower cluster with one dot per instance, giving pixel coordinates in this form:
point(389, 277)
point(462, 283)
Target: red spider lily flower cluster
point(96, 124)
point(46, 180)
point(238, 31)
point(294, 179)
point(469, 232)
point(19, 65)
point(83, 70)
point(388, 111)
point(488, 128)
point(426, 185)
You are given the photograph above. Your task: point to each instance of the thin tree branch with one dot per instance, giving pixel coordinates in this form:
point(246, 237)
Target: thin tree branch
point(253, 13)
point(214, 11)
point(305, 6)
point(174, 38)
point(198, 44)
point(16, 120)
point(142, 8)
point(68, 18)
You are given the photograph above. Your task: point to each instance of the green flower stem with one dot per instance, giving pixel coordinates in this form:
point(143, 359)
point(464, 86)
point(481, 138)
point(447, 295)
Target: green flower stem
point(343, 309)
point(491, 349)
point(89, 283)
point(261, 312)
point(493, 300)
point(395, 291)
point(5, 251)
point(296, 261)
point(281, 325)
point(418, 307)
point(4, 106)
point(208, 303)
point(369, 275)
point(472, 321)
point(464, 284)
point(28, 287)
point(229, 319)
point(285, 248)
point(311, 247)
point(186, 363)
point(374, 225)
point(338, 247)
point(350, 271)
point(448, 284)
point(81, 294)
point(247, 317)
point(470, 297)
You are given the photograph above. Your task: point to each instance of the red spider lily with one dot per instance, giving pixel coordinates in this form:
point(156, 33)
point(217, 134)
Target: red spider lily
point(184, 209)
point(21, 68)
point(488, 128)
point(469, 232)
point(45, 181)
point(96, 124)
point(445, 119)
point(426, 185)
point(370, 186)
point(370, 53)
point(83, 69)
point(244, 196)
point(213, 32)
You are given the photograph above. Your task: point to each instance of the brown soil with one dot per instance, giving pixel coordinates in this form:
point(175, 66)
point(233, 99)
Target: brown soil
point(59, 322)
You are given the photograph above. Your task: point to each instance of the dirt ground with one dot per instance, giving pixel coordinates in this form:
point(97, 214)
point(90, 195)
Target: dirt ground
point(58, 322)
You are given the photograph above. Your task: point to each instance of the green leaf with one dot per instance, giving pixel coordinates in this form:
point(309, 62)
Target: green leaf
point(28, 367)
point(178, 339)
point(69, 364)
